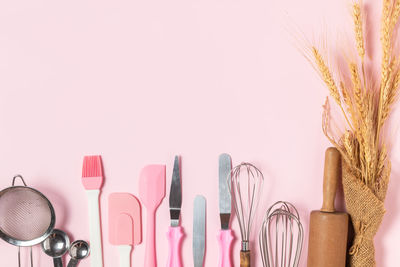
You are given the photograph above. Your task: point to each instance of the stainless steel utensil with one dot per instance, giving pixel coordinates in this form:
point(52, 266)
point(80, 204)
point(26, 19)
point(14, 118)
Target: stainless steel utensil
point(56, 245)
point(225, 209)
point(245, 184)
point(26, 216)
point(225, 235)
point(175, 196)
point(199, 231)
point(78, 250)
point(281, 236)
point(175, 231)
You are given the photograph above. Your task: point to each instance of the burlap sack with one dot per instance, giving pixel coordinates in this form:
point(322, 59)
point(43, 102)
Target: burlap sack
point(366, 210)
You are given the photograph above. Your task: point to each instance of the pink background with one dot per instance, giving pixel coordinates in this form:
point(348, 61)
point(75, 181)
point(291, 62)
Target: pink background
point(141, 81)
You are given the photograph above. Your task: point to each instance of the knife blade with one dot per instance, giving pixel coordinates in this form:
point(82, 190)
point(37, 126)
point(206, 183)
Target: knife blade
point(199, 230)
point(175, 231)
point(225, 167)
point(175, 195)
point(225, 236)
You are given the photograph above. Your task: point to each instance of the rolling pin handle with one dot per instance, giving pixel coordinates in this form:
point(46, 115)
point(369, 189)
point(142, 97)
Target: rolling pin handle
point(331, 178)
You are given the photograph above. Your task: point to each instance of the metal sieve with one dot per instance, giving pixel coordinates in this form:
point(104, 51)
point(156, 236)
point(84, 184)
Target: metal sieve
point(26, 216)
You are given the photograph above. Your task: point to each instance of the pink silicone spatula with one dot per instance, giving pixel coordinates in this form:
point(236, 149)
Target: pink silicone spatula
point(151, 192)
point(125, 224)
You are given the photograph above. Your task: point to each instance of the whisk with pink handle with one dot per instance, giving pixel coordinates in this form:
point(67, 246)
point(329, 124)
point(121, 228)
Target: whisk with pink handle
point(245, 184)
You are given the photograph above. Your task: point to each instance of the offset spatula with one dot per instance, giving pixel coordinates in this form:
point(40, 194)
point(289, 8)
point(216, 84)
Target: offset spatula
point(199, 231)
point(225, 236)
point(175, 231)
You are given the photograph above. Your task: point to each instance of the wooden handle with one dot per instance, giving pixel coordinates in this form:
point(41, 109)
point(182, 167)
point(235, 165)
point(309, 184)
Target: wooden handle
point(244, 258)
point(331, 177)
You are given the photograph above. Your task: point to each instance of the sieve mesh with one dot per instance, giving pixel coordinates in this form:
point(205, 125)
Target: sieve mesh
point(25, 214)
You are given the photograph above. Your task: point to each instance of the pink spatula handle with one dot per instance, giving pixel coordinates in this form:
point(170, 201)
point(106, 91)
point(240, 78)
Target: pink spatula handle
point(175, 235)
point(150, 259)
point(225, 238)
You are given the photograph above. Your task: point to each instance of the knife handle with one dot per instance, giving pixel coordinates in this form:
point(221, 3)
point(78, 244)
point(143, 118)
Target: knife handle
point(175, 235)
point(225, 239)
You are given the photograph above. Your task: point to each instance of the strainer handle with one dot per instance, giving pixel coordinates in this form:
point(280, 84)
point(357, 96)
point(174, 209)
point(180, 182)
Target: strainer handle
point(15, 178)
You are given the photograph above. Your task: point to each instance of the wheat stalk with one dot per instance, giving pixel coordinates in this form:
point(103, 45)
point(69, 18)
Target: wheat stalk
point(350, 147)
point(369, 145)
point(358, 30)
point(389, 96)
point(381, 160)
point(395, 14)
point(326, 75)
point(347, 100)
point(386, 40)
point(358, 91)
point(326, 131)
point(368, 106)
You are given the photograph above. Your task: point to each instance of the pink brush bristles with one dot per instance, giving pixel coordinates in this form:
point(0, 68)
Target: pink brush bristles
point(92, 172)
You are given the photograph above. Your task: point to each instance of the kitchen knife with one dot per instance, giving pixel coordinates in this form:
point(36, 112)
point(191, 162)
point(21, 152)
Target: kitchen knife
point(225, 235)
point(175, 231)
point(199, 230)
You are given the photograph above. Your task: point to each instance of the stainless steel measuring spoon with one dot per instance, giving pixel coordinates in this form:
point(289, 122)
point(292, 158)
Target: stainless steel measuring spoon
point(78, 250)
point(56, 245)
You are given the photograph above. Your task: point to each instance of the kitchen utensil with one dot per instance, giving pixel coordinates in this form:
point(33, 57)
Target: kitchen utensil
point(26, 216)
point(199, 230)
point(151, 192)
point(328, 228)
point(245, 185)
point(281, 236)
point(92, 180)
point(225, 235)
point(125, 224)
point(175, 231)
point(78, 250)
point(55, 246)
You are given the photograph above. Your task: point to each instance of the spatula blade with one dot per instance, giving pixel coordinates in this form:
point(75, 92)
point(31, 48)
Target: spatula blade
point(127, 205)
point(199, 230)
point(225, 166)
point(152, 185)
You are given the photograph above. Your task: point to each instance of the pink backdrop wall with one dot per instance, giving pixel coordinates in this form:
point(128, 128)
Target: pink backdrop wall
point(141, 81)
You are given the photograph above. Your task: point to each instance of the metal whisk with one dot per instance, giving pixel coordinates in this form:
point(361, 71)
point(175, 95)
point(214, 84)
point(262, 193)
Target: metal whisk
point(281, 236)
point(245, 185)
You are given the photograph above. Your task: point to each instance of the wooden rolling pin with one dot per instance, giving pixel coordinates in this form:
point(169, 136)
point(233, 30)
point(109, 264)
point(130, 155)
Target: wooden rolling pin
point(327, 245)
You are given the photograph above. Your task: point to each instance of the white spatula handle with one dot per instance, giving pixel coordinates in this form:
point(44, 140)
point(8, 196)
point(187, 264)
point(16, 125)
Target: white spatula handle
point(124, 255)
point(96, 251)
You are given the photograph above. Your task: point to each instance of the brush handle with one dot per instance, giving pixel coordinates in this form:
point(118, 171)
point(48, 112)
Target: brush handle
point(225, 238)
point(124, 255)
point(96, 251)
point(150, 259)
point(175, 235)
